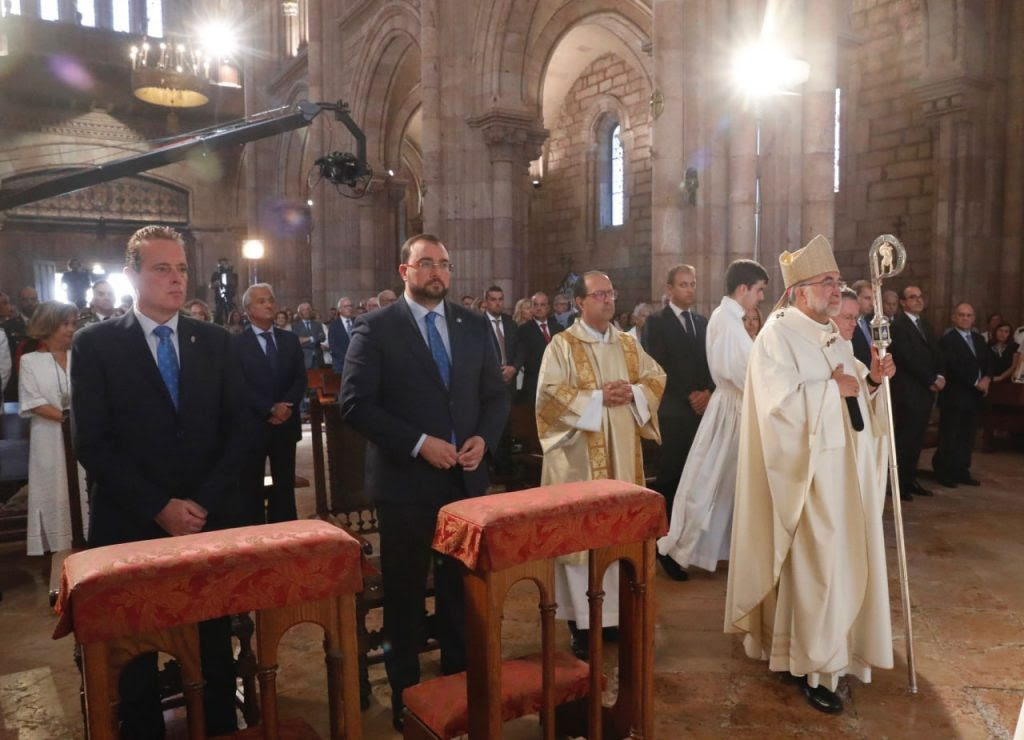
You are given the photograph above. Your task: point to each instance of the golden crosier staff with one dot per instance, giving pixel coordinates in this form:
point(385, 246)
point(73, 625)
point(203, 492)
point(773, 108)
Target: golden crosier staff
point(888, 257)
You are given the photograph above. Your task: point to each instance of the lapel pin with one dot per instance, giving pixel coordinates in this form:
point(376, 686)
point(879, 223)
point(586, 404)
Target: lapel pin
point(193, 339)
point(458, 321)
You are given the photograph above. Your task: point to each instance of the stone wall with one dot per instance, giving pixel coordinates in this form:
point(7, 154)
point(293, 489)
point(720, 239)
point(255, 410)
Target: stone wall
point(565, 229)
point(887, 183)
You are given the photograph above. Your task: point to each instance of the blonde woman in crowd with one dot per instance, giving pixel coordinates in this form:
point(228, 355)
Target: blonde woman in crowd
point(523, 311)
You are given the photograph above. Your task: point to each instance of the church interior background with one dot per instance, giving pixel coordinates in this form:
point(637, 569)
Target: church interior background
point(537, 138)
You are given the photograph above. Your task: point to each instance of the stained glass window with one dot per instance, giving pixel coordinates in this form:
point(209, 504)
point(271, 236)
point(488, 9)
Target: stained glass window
point(618, 177)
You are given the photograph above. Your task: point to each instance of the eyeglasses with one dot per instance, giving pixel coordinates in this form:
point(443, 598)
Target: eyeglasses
point(604, 295)
point(428, 265)
point(829, 284)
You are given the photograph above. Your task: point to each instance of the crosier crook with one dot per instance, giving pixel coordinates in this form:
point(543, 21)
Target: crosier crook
point(888, 257)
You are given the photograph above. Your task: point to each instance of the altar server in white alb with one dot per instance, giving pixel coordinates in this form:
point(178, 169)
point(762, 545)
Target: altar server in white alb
point(702, 508)
point(807, 578)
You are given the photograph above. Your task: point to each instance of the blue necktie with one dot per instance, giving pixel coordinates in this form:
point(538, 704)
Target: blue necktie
point(167, 361)
point(444, 365)
point(268, 337)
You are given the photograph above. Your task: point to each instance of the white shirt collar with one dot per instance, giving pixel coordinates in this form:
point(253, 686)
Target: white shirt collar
point(419, 311)
point(679, 311)
point(606, 337)
point(911, 316)
point(148, 325)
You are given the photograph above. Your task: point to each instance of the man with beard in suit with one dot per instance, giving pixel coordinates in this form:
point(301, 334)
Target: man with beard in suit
point(675, 337)
point(916, 354)
point(155, 408)
point(532, 339)
point(422, 385)
point(274, 382)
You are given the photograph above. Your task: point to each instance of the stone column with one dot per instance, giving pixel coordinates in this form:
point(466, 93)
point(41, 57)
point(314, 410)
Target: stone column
point(1011, 290)
point(820, 47)
point(959, 271)
point(513, 139)
point(668, 156)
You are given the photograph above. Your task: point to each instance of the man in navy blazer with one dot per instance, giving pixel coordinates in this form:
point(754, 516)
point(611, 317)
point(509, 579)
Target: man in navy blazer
point(274, 378)
point(675, 338)
point(422, 385)
point(966, 366)
point(339, 333)
point(154, 406)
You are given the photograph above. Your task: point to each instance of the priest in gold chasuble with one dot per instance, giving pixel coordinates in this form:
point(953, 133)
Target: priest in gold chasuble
point(597, 395)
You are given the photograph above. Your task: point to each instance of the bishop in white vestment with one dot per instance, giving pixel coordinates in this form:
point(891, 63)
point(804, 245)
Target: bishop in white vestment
point(597, 395)
point(807, 580)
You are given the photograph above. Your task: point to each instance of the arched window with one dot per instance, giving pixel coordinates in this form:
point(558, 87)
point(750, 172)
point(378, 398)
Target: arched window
point(155, 18)
point(87, 10)
point(121, 15)
point(618, 177)
point(611, 171)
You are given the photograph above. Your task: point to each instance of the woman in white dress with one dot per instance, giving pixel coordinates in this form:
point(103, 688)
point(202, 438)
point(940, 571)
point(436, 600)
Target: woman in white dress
point(44, 392)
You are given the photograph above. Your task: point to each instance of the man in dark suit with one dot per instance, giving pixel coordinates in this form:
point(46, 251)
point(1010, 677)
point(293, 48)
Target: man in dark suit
point(866, 311)
point(674, 337)
point(339, 333)
point(18, 340)
point(916, 353)
point(965, 363)
point(155, 414)
point(274, 380)
point(503, 335)
point(531, 340)
point(311, 335)
point(422, 385)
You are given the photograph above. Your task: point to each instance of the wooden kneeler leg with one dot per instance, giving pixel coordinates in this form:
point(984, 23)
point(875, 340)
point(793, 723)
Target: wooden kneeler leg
point(337, 617)
point(103, 662)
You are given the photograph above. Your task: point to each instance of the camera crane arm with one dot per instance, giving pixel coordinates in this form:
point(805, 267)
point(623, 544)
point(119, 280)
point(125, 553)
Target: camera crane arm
point(252, 128)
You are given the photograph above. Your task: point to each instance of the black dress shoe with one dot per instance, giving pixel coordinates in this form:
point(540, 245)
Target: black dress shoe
point(945, 482)
point(397, 719)
point(822, 699)
point(904, 496)
point(967, 480)
point(918, 490)
point(672, 569)
point(579, 641)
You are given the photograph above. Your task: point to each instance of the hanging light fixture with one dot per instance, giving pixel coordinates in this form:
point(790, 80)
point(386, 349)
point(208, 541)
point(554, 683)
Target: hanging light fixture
point(176, 74)
point(170, 75)
point(290, 8)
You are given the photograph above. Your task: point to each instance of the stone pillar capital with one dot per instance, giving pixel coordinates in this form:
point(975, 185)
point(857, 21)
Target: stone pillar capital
point(511, 136)
point(954, 95)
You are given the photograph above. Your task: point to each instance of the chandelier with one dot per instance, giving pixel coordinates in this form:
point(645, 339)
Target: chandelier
point(171, 75)
point(179, 75)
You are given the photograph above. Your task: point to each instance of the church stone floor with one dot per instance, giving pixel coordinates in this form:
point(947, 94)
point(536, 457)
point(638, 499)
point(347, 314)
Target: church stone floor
point(966, 559)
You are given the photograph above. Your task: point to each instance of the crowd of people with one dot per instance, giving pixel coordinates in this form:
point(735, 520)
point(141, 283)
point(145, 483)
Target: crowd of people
point(765, 426)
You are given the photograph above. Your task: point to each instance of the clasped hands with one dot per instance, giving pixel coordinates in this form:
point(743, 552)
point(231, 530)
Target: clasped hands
point(280, 412)
point(181, 516)
point(617, 393)
point(442, 454)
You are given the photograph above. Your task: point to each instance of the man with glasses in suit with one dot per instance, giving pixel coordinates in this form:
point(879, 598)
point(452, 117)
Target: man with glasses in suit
point(422, 385)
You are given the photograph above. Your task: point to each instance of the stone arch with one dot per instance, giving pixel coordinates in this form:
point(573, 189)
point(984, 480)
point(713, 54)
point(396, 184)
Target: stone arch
point(387, 79)
point(519, 37)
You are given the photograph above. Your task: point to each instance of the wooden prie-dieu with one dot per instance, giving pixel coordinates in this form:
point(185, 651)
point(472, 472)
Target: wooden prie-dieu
point(504, 538)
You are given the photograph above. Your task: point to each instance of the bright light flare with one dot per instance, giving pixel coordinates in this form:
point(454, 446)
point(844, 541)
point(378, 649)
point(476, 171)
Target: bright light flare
point(218, 40)
point(252, 249)
point(763, 69)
